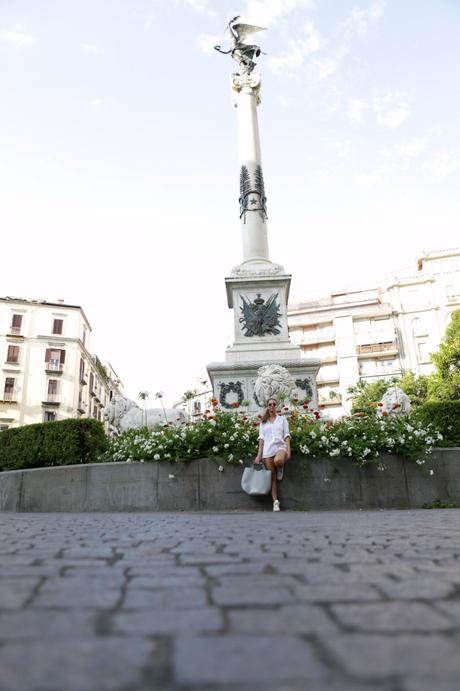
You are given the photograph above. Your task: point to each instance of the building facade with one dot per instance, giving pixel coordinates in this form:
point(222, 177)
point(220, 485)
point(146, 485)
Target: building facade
point(48, 371)
point(377, 332)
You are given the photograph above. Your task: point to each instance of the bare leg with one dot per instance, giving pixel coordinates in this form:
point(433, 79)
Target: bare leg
point(270, 465)
point(280, 458)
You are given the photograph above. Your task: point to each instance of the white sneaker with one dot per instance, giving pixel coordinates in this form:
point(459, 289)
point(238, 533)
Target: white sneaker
point(276, 505)
point(280, 473)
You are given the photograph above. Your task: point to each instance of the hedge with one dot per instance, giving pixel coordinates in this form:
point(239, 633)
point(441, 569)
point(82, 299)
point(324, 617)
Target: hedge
point(445, 417)
point(66, 442)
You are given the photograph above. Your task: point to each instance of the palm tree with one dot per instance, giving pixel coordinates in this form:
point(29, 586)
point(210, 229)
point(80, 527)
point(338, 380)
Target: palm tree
point(143, 395)
point(159, 395)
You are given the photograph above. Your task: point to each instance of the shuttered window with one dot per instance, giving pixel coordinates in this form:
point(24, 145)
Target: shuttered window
point(13, 354)
point(57, 326)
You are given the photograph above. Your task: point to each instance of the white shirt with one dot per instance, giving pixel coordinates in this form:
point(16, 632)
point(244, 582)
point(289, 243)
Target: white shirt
point(274, 435)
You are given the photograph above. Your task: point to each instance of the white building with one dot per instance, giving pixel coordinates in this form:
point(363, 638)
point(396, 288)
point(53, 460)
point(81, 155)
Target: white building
point(372, 332)
point(48, 372)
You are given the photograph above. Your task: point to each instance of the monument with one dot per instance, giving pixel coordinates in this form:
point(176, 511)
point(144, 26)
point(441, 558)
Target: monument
point(257, 289)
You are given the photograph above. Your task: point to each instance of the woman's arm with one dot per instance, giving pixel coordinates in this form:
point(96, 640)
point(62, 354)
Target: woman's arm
point(259, 452)
point(287, 437)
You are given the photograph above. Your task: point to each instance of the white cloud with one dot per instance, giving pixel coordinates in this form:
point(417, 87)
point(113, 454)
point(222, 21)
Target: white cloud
point(442, 166)
point(90, 49)
point(403, 154)
point(17, 38)
point(390, 109)
point(298, 49)
point(359, 22)
point(98, 103)
point(149, 20)
point(356, 110)
point(265, 12)
point(206, 42)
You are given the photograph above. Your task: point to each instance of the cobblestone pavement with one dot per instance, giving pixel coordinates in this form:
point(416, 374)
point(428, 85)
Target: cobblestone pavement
point(338, 601)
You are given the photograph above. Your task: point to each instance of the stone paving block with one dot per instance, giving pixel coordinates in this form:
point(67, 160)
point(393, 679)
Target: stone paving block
point(39, 625)
point(251, 593)
point(450, 608)
point(165, 597)
point(93, 664)
point(15, 592)
point(378, 656)
point(244, 659)
point(336, 592)
point(391, 617)
point(168, 621)
point(69, 592)
point(418, 588)
point(290, 619)
point(167, 580)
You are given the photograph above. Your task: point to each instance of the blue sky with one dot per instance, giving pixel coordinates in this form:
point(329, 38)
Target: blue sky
point(118, 142)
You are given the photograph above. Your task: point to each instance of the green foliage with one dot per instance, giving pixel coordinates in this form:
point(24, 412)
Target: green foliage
point(52, 443)
point(445, 416)
point(444, 384)
point(368, 394)
point(233, 437)
point(439, 504)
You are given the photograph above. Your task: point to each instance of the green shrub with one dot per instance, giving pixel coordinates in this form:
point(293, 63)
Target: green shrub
point(445, 417)
point(66, 442)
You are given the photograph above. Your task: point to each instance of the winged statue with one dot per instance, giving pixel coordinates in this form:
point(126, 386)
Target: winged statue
point(240, 51)
point(260, 318)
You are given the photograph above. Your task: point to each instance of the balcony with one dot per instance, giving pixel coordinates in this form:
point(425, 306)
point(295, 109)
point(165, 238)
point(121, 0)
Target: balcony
point(54, 366)
point(377, 349)
point(52, 399)
point(9, 397)
point(81, 407)
point(337, 400)
point(15, 331)
point(83, 378)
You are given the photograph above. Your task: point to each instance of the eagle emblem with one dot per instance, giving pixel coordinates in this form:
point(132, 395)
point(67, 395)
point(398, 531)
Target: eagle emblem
point(260, 317)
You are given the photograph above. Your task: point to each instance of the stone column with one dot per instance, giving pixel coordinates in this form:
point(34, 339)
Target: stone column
point(253, 212)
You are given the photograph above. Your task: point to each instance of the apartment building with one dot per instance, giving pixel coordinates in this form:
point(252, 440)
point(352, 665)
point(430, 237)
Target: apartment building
point(374, 332)
point(48, 371)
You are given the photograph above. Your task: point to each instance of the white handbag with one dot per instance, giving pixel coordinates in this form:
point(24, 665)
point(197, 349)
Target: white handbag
point(256, 479)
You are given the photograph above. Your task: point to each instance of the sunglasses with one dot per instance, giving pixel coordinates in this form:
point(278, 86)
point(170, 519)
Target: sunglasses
point(272, 404)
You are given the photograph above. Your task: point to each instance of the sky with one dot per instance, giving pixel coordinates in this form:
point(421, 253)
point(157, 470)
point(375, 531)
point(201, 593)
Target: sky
point(119, 171)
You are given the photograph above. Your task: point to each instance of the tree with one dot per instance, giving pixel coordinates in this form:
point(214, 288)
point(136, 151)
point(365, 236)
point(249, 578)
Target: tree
point(143, 395)
point(445, 383)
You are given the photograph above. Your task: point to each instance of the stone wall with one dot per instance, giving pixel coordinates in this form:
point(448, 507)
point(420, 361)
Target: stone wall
point(316, 484)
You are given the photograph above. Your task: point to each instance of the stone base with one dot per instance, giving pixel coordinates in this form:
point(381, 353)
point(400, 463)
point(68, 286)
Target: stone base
point(234, 382)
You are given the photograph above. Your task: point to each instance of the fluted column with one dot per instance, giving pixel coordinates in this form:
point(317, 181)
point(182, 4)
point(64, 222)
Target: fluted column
point(253, 210)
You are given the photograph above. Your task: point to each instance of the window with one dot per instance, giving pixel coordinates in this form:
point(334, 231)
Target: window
point(52, 387)
point(91, 382)
point(196, 407)
point(419, 327)
point(16, 324)
point(453, 291)
point(82, 370)
point(423, 352)
point(3, 427)
point(13, 354)
point(9, 390)
point(57, 326)
point(49, 416)
point(55, 359)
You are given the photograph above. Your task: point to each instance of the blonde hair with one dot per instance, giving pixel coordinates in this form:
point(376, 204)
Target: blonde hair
point(266, 415)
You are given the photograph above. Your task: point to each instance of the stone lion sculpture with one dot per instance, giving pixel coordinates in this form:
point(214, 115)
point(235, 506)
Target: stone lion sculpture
point(124, 414)
point(395, 402)
point(273, 381)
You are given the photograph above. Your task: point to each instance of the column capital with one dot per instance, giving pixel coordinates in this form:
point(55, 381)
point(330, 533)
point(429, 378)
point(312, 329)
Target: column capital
point(240, 82)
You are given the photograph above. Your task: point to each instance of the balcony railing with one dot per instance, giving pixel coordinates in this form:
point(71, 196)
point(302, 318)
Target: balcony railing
point(54, 366)
point(52, 398)
point(15, 331)
point(10, 396)
point(376, 348)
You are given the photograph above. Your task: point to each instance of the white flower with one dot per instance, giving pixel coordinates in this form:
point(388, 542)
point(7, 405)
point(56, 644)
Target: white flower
point(156, 457)
point(366, 452)
point(142, 460)
point(327, 479)
point(221, 469)
point(215, 449)
point(431, 472)
point(334, 452)
point(240, 462)
point(171, 476)
point(419, 461)
point(313, 434)
point(226, 446)
point(230, 457)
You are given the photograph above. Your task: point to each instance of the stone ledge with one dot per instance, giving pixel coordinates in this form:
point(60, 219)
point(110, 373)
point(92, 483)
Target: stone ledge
point(316, 484)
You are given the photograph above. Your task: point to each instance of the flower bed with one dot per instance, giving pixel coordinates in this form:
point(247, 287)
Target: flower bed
point(233, 437)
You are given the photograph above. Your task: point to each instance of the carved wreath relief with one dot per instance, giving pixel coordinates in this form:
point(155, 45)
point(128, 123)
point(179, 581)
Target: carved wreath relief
point(225, 389)
point(260, 318)
point(252, 193)
point(305, 385)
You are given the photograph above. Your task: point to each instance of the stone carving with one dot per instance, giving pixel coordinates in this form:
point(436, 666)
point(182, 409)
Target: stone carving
point(240, 51)
point(260, 318)
point(305, 386)
point(225, 389)
point(269, 270)
point(395, 402)
point(252, 196)
point(273, 381)
point(124, 414)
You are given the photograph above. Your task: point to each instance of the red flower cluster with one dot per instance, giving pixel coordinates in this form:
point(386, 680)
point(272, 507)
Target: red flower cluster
point(214, 402)
point(235, 404)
